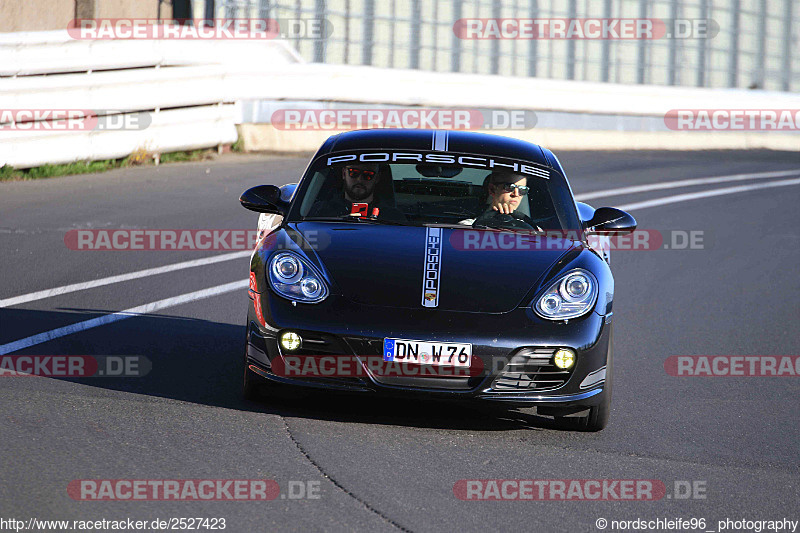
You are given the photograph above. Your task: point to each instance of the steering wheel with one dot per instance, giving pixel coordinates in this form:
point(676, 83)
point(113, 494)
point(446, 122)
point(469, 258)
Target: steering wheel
point(503, 220)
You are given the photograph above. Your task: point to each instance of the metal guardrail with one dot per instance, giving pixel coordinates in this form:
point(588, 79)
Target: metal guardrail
point(186, 90)
point(756, 47)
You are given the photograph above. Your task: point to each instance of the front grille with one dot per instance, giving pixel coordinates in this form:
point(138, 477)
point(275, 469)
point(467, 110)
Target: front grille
point(531, 369)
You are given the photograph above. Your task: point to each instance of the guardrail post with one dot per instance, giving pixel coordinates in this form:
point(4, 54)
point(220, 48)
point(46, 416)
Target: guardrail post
point(391, 35)
point(514, 42)
point(571, 14)
point(435, 32)
point(84, 9)
point(347, 32)
point(416, 15)
point(495, 53)
point(533, 44)
point(605, 54)
point(368, 31)
point(298, 15)
point(761, 50)
point(787, 46)
point(455, 52)
point(208, 13)
point(672, 54)
point(641, 52)
point(319, 44)
point(700, 77)
point(733, 52)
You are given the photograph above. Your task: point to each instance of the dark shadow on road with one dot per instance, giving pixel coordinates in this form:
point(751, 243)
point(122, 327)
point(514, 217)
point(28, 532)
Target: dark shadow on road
point(200, 361)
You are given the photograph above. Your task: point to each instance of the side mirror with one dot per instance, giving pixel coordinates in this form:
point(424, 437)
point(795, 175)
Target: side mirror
point(610, 220)
point(585, 212)
point(264, 199)
point(287, 191)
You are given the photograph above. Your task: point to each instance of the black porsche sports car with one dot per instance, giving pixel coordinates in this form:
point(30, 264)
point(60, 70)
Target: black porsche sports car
point(437, 263)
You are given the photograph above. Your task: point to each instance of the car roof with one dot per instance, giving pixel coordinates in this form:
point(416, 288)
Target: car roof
point(448, 140)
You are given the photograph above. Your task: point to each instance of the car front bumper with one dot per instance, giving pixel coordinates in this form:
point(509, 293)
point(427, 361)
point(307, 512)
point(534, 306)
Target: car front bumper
point(342, 327)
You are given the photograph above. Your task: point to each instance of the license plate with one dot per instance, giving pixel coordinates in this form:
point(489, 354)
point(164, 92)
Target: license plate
point(427, 352)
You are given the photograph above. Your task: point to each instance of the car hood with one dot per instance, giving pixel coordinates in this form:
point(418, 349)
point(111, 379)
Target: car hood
point(384, 265)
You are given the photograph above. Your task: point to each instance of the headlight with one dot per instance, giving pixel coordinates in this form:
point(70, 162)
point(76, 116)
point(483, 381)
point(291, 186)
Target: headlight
point(570, 296)
point(293, 278)
point(287, 268)
point(311, 288)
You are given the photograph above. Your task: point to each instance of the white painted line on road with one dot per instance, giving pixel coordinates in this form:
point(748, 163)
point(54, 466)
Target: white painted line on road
point(706, 194)
point(683, 183)
point(39, 295)
point(121, 315)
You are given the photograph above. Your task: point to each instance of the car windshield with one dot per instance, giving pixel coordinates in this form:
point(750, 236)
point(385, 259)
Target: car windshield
point(418, 194)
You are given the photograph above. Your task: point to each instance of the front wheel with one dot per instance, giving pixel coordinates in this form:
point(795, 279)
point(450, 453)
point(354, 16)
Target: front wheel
point(597, 418)
point(251, 383)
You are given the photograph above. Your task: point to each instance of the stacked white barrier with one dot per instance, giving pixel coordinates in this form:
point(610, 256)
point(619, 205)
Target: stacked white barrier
point(184, 87)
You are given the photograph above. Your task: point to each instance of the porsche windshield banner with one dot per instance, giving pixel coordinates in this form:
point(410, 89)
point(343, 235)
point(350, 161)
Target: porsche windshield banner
point(474, 161)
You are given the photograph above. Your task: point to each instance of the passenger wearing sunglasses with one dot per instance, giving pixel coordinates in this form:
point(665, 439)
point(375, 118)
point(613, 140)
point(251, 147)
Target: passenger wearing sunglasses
point(359, 184)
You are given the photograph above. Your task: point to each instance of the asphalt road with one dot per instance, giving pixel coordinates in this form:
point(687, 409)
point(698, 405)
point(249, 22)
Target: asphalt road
point(389, 464)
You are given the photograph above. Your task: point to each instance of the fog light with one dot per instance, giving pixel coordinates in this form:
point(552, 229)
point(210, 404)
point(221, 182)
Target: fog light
point(290, 340)
point(564, 358)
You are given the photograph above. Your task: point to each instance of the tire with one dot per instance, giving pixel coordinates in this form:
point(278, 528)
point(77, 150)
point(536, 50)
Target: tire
point(251, 383)
point(598, 415)
point(597, 419)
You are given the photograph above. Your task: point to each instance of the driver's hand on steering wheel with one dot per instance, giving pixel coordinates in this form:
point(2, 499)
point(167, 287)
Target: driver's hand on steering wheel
point(505, 208)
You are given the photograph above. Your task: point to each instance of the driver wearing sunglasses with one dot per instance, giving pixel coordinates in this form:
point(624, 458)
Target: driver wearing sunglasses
point(505, 192)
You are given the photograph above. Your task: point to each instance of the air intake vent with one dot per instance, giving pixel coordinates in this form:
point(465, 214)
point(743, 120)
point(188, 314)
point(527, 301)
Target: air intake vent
point(531, 369)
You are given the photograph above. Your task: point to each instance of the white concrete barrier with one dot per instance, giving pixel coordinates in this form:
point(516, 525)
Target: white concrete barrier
point(572, 114)
point(358, 84)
